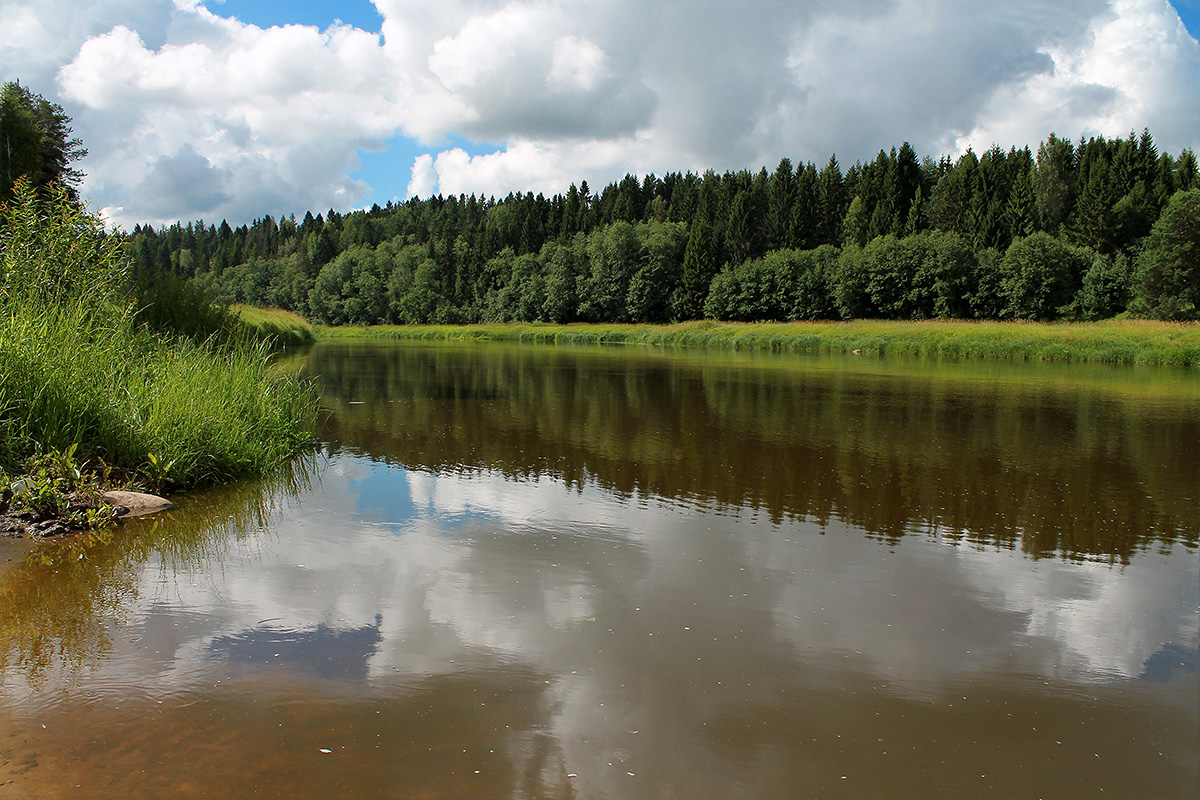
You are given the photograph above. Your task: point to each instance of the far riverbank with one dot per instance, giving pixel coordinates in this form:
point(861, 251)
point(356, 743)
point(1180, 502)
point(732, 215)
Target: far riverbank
point(1114, 342)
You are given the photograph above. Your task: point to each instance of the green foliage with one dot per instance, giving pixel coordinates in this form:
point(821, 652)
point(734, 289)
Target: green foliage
point(783, 284)
point(1106, 288)
point(53, 485)
point(36, 143)
point(79, 370)
point(172, 306)
point(848, 284)
point(53, 253)
point(1040, 275)
point(616, 257)
point(1168, 269)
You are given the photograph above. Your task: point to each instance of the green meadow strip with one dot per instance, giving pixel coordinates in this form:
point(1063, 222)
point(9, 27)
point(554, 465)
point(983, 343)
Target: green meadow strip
point(273, 325)
point(1114, 342)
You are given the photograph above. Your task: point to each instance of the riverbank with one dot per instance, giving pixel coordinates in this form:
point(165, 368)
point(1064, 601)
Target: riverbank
point(100, 379)
point(276, 327)
point(1115, 342)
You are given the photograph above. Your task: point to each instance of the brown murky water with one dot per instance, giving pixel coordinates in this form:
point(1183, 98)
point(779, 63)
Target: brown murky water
point(533, 572)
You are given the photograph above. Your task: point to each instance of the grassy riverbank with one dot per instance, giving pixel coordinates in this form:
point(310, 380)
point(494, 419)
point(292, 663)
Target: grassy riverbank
point(82, 371)
point(1119, 342)
point(275, 326)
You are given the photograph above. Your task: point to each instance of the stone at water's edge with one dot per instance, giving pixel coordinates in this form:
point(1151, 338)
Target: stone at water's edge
point(138, 503)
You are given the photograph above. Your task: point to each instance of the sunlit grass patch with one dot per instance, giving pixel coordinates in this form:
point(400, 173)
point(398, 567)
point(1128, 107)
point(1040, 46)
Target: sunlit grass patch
point(1119, 341)
point(274, 325)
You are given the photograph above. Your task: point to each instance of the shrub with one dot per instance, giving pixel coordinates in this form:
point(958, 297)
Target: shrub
point(1039, 276)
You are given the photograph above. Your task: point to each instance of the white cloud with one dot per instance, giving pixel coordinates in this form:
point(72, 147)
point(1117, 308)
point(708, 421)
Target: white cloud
point(424, 179)
point(581, 90)
point(577, 63)
point(1139, 68)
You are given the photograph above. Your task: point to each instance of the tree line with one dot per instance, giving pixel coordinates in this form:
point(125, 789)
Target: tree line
point(1082, 230)
point(1005, 234)
point(1062, 233)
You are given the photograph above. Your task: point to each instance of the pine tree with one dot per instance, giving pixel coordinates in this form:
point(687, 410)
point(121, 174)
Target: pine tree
point(699, 259)
point(916, 210)
point(831, 199)
point(1054, 182)
point(780, 199)
point(1021, 209)
point(856, 227)
point(35, 141)
point(1187, 175)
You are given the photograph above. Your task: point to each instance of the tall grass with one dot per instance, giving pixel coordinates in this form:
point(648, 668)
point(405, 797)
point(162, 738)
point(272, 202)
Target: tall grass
point(79, 367)
point(275, 326)
point(1118, 342)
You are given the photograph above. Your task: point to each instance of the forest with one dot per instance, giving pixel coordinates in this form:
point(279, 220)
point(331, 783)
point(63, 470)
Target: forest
point(1078, 230)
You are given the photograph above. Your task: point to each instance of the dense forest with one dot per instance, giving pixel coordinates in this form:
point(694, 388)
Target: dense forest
point(1084, 230)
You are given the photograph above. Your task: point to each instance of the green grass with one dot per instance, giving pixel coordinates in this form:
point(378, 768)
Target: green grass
point(1118, 342)
point(274, 325)
point(149, 386)
point(179, 413)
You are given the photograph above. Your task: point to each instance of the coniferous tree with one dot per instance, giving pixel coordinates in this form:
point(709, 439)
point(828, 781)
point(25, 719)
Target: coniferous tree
point(699, 259)
point(1054, 182)
point(832, 203)
point(907, 185)
point(1021, 210)
point(856, 228)
point(780, 200)
point(806, 209)
point(1186, 171)
point(36, 141)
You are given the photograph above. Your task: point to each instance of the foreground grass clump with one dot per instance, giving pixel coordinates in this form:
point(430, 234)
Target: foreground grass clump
point(275, 326)
point(1118, 342)
point(78, 370)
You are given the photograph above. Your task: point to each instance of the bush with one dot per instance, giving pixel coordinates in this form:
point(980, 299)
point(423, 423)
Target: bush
point(52, 253)
point(1039, 276)
point(1105, 290)
point(783, 284)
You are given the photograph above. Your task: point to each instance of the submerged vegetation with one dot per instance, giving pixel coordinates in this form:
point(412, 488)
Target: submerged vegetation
point(123, 377)
point(1119, 342)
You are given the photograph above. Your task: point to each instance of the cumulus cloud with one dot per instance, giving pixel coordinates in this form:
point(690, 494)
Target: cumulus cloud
point(549, 92)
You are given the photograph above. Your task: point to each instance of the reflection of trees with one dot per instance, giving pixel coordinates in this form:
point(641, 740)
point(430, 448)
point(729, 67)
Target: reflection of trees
point(58, 604)
point(1048, 464)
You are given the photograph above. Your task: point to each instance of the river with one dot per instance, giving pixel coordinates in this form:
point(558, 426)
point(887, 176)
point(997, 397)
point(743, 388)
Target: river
point(619, 572)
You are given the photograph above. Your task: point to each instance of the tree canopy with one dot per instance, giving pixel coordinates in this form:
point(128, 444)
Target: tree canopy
point(36, 142)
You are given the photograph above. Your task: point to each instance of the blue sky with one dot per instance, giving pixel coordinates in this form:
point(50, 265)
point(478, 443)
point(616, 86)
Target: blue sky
point(1189, 12)
point(206, 109)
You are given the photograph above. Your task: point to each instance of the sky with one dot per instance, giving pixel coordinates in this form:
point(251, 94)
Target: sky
point(234, 109)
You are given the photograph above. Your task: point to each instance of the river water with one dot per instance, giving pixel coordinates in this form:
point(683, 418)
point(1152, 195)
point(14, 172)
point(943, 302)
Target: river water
point(546, 572)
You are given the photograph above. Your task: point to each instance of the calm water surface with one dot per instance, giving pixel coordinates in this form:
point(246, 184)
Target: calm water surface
point(534, 572)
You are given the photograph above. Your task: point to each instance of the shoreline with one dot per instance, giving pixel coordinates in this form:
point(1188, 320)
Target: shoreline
point(24, 523)
point(1141, 342)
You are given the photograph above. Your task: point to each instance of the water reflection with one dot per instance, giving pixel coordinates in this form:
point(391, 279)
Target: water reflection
point(1055, 460)
point(58, 606)
point(548, 616)
point(324, 650)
